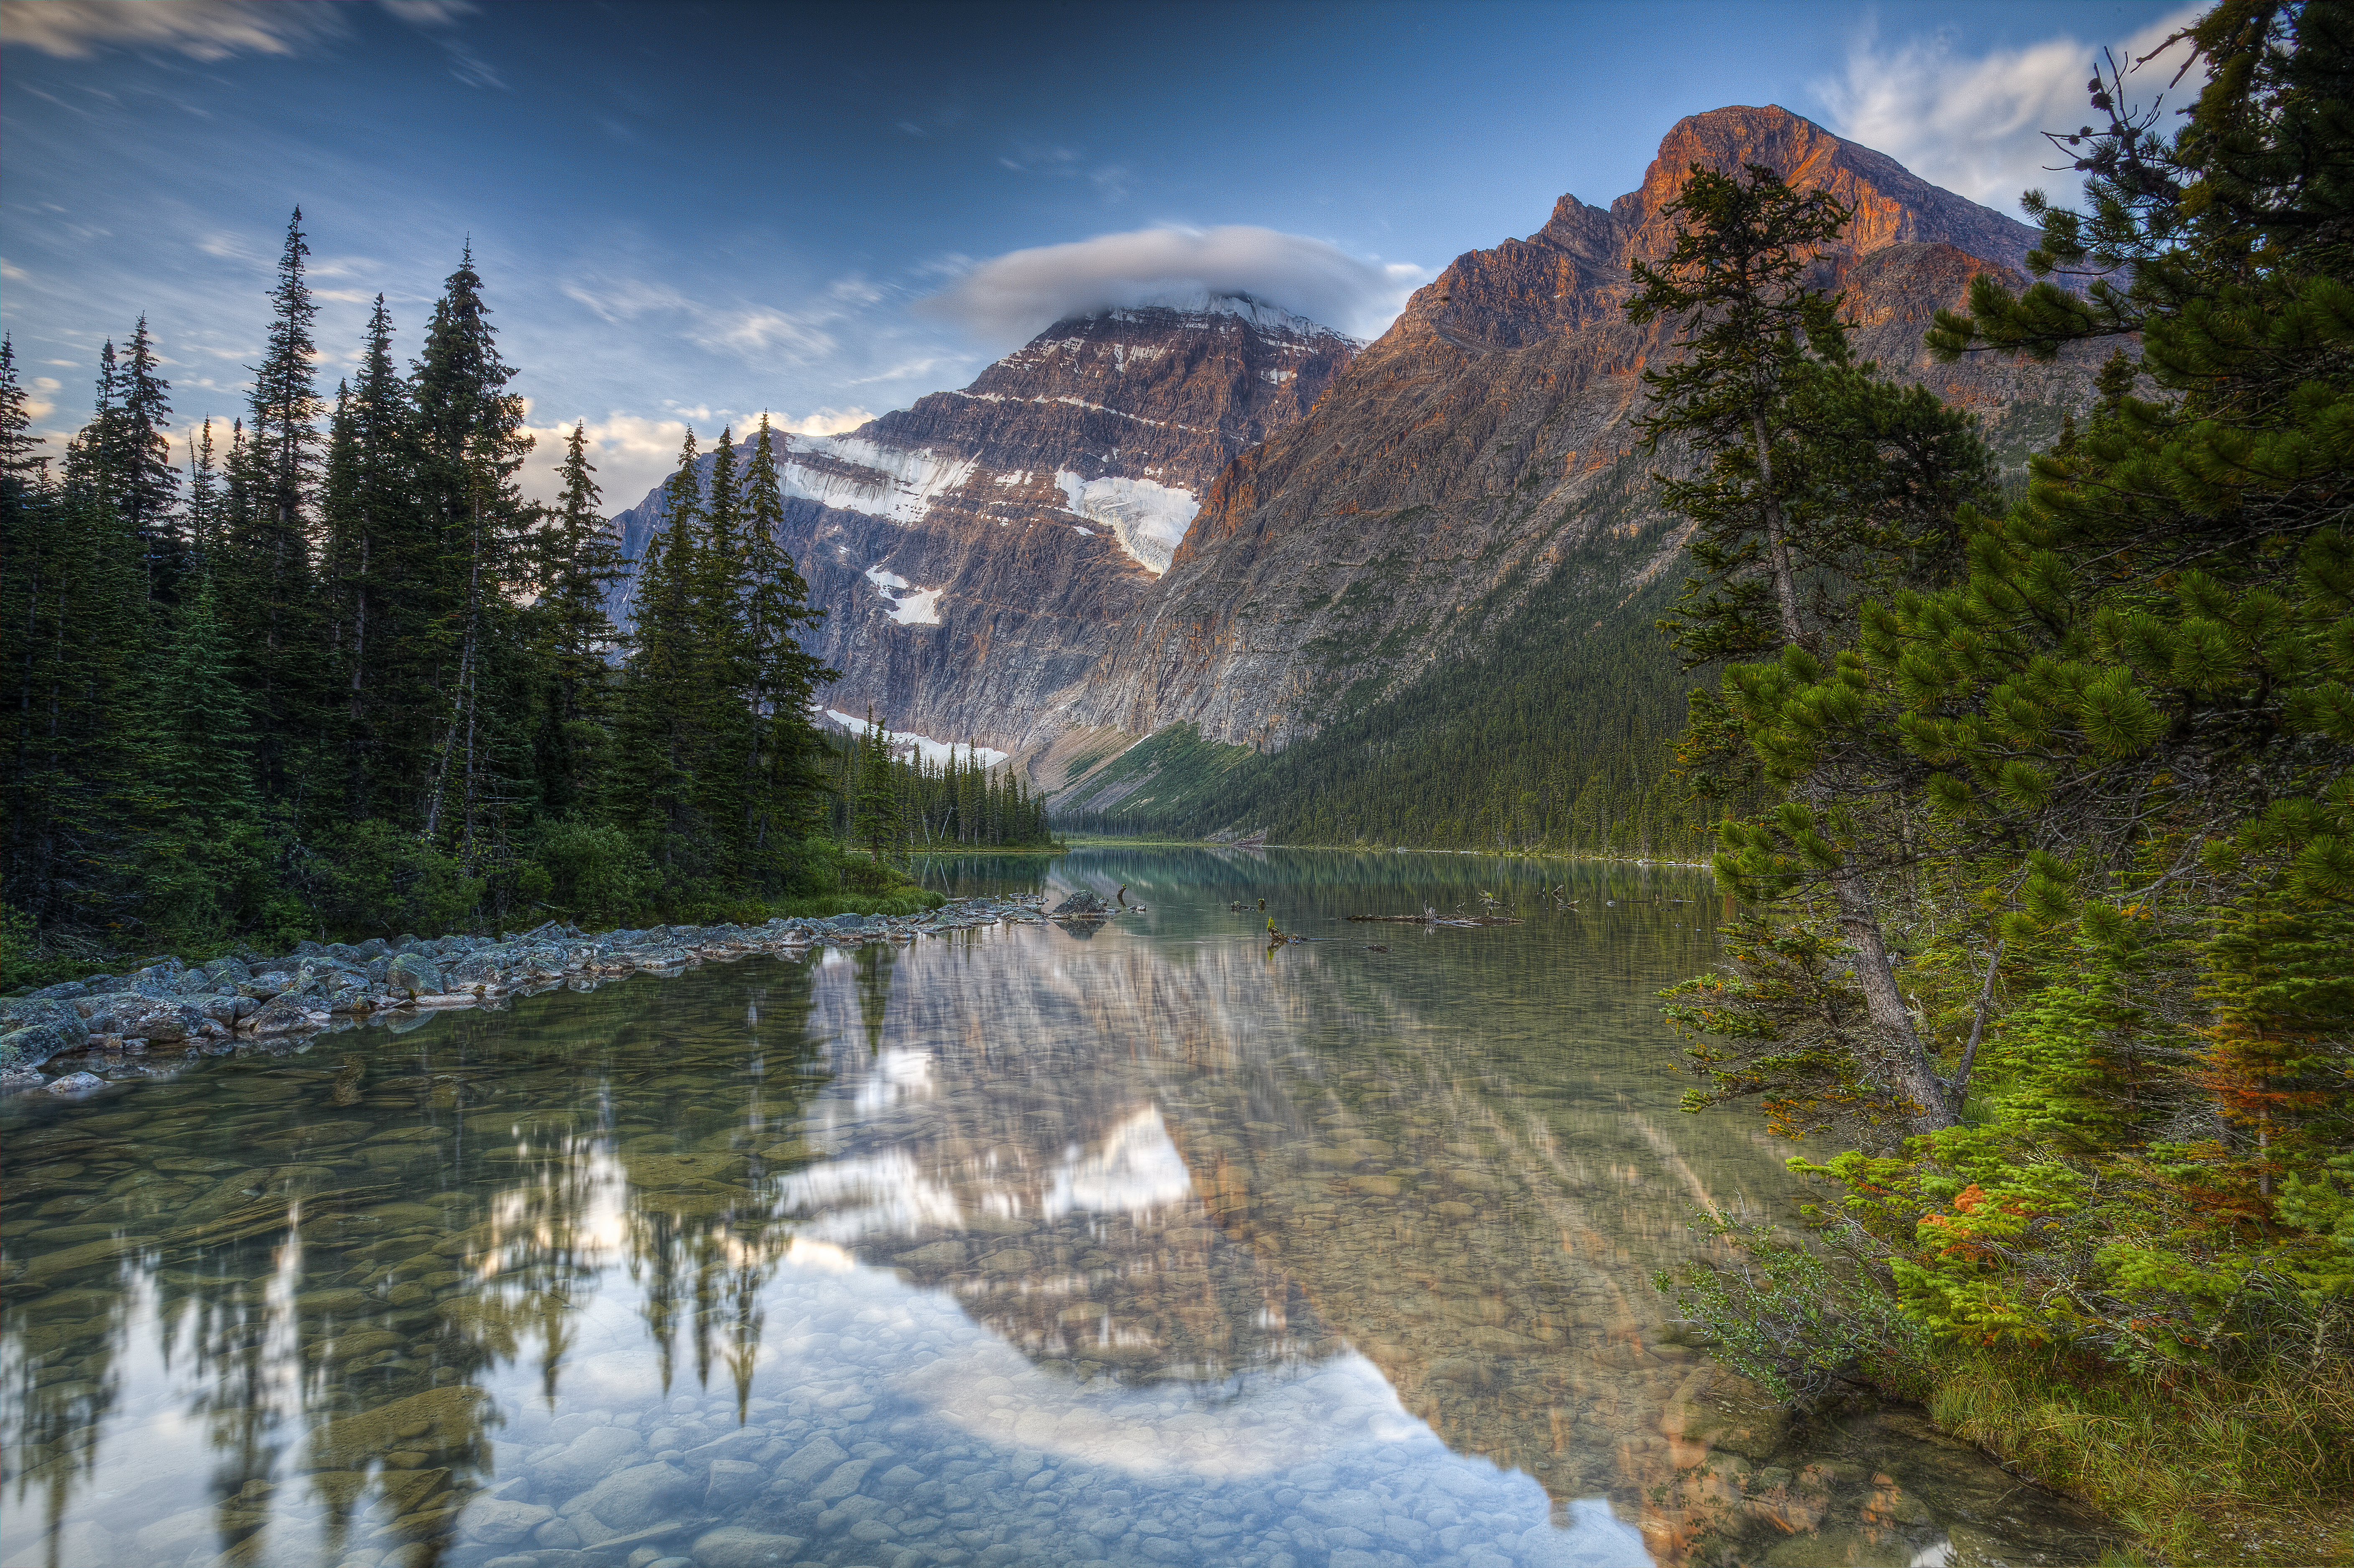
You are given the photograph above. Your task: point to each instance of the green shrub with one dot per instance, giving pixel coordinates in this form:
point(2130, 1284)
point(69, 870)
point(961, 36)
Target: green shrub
point(592, 872)
point(1803, 1325)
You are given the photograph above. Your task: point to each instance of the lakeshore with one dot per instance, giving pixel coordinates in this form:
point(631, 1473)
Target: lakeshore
point(102, 1025)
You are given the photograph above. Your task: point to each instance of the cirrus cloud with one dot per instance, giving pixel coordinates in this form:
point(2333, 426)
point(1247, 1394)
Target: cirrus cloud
point(1011, 296)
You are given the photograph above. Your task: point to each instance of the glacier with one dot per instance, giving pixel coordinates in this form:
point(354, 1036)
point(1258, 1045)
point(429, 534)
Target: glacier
point(1149, 518)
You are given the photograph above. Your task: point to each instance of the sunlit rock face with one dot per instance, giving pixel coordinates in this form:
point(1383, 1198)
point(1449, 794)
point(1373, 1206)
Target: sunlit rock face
point(1486, 442)
point(973, 552)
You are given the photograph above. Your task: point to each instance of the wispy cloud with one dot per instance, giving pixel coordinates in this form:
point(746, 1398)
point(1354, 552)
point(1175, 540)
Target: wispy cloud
point(201, 29)
point(1012, 296)
point(1974, 123)
point(759, 333)
point(217, 29)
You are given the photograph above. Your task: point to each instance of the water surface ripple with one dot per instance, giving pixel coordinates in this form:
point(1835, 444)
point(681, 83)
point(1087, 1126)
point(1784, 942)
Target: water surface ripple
point(1146, 1244)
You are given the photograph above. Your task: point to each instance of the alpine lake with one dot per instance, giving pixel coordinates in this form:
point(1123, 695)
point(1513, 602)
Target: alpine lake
point(1135, 1242)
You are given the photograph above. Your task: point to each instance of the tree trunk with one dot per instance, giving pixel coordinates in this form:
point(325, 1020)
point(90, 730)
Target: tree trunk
point(1915, 1072)
point(1777, 544)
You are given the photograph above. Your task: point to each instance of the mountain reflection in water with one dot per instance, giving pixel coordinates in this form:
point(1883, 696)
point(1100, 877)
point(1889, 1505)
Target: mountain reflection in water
point(1163, 1246)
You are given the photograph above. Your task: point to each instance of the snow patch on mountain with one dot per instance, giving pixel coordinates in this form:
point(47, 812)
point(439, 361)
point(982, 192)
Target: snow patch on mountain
point(904, 601)
point(932, 751)
point(1149, 518)
point(891, 483)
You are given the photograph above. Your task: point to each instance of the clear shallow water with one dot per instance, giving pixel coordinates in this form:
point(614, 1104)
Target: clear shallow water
point(1141, 1244)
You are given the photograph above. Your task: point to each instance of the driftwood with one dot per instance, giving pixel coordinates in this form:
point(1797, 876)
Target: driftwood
point(1438, 919)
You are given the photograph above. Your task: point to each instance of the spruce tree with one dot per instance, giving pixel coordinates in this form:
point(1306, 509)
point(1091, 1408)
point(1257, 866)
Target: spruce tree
point(147, 481)
point(580, 559)
point(876, 821)
point(265, 573)
point(472, 439)
point(780, 779)
point(652, 775)
point(382, 561)
point(18, 463)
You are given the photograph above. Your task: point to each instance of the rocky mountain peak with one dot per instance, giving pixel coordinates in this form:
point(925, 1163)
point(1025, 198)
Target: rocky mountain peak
point(1576, 270)
point(1893, 205)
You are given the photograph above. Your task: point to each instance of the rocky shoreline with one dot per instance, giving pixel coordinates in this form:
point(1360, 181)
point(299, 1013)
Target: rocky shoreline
point(174, 1006)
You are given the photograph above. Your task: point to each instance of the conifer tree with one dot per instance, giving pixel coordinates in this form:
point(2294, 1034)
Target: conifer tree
point(201, 838)
point(780, 780)
point(265, 575)
point(472, 440)
point(382, 560)
point(580, 559)
point(18, 464)
point(652, 771)
point(204, 496)
point(876, 822)
point(147, 481)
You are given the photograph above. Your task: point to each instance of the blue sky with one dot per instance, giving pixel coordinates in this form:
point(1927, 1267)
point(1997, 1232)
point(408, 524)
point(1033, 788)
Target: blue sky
point(691, 212)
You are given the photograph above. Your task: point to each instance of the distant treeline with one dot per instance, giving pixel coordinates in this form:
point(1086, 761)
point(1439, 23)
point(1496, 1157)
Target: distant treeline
point(328, 673)
point(893, 807)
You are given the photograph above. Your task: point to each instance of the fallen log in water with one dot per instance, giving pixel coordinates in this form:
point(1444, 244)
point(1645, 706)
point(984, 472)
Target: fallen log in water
point(1438, 919)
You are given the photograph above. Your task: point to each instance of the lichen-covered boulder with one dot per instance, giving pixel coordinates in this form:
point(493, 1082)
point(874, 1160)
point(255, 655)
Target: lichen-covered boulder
point(415, 972)
point(25, 1048)
point(287, 1014)
point(24, 1012)
point(1083, 902)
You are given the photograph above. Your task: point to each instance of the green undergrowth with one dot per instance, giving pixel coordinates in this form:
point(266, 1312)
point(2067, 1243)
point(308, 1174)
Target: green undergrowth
point(2204, 1468)
point(2202, 1465)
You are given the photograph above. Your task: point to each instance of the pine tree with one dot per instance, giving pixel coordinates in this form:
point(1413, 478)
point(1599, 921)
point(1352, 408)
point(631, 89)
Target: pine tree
point(204, 498)
point(265, 574)
point(580, 558)
point(471, 433)
point(202, 840)
point(1762, 353)
point(147, 481)
point(780, 779)
point(382, 561)
point(875, 821)
point(652, 771)
point(18, 464)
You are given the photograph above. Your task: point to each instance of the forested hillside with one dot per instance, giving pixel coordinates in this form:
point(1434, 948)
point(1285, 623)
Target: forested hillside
point(328, 672)
point(1556, 737)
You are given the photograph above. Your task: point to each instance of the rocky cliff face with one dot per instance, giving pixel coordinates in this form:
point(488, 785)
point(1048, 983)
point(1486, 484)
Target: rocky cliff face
point(975, 552)
point(1485, 441)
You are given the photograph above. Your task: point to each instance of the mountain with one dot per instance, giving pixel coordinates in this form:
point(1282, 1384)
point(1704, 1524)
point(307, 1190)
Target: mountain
point(1484, 446)
point(1213, 565)
point(974, 551)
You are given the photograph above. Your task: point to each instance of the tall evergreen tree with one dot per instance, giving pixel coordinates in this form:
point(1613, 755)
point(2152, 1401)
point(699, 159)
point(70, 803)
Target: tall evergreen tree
point(781, 780)
point(470, 429)
point(580, 559)
point(381, 559)
point(652, 774)
point(265, 574)
point(147, 481)
point(18, 462)
point(1762, 353)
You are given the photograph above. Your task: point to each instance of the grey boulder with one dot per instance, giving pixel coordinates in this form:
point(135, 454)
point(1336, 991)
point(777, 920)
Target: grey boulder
point(25, 1048)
